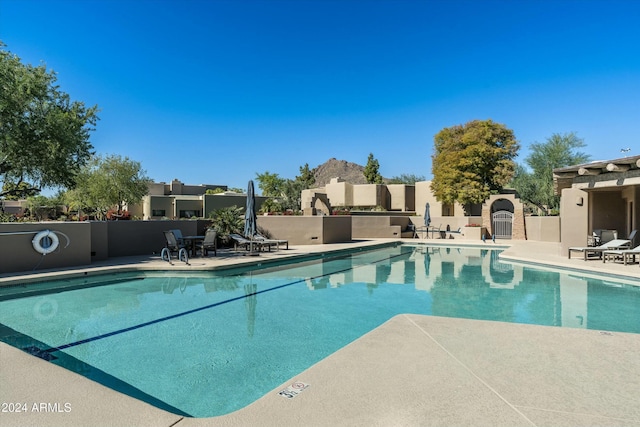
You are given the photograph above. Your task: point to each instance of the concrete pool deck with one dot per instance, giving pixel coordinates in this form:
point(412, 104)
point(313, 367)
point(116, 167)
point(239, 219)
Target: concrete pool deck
point(411, 371)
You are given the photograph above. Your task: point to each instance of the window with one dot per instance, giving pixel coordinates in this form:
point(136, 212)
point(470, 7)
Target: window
point(189, 214)
point(158, 212)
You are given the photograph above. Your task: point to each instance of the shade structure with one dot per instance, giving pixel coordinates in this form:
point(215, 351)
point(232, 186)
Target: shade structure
point(250, 213)
point(427, 215)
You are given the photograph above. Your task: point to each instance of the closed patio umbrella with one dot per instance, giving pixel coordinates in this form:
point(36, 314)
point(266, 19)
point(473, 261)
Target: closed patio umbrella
point(250, 217)
point(250, 213)
point(427, 216)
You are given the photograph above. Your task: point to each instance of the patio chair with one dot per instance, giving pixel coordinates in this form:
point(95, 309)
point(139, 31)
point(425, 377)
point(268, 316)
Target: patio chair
point(435, 230)
point(625, 255)
point(594, 239)
point(178, 235)
point(267, 240)
point(598, 250)
point(172, 245)
point(210, 242)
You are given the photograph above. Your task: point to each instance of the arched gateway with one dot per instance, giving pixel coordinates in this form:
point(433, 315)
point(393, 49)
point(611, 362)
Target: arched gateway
point(503, 217)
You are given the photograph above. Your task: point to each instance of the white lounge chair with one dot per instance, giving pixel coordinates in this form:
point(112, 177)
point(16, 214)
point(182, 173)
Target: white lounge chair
point(598, 250)
point(624, 254)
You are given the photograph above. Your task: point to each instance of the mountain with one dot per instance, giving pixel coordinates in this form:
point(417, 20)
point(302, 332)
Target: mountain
point(350, 172)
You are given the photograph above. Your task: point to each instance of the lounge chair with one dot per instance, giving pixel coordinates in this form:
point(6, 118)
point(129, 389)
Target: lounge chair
point(266, 240)
point(624, 254)
point(239, 240)
point(598, 250)
point(449, 233)
point(210, 242)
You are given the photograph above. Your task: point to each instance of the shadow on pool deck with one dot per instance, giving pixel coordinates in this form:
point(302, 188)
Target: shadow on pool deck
point(411, 371)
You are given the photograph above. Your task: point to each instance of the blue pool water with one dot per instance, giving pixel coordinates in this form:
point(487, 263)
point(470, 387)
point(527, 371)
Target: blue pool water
point(206, 344)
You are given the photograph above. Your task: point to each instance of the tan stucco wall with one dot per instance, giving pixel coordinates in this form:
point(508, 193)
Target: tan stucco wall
point(607, 212)
point(17, 253)
point(156, 189)
point(369, 195)
point(339, 193)
point(152, 203)
point(543, 228)
point(423, 194)
point(127, 238)
point(378, 226)
point(401, 197)
point(574, 205)
point(89, 241)
point(307, 230)
point(99, 240)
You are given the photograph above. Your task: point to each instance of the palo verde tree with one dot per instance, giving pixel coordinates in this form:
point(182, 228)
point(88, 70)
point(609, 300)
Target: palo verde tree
point(535, 185)
point(371, 170)
point(109, 182)
point(472, 161)
point(44, 136)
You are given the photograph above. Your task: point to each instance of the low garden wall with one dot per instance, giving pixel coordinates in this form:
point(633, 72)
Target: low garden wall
point(543, 228)
point(81, 243)
point(307, 230)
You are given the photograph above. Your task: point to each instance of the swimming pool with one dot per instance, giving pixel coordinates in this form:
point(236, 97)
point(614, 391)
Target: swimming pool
point(206, 344)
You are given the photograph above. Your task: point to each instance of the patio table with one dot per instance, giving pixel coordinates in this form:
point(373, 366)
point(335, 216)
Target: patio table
point(191, 243)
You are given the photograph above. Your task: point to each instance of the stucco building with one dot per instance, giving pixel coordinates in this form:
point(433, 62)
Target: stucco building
point(596, 196)
point(177, 200)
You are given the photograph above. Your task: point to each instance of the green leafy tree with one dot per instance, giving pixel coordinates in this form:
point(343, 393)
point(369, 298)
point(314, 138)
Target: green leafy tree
point(286, 193)
point(371, 170)
point(44, 136)
point(472, 161)
point(406, 179)
point(535, 186)
point(111, 181)
point(13, 191)
point(306, 178)
point(41, 208)
point(270, 183)
point(216, 190)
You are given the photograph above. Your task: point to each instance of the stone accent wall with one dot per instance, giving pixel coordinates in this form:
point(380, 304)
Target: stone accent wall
point(519, 231)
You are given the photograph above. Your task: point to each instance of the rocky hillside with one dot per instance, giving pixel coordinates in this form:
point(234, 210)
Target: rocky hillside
point(332, 168)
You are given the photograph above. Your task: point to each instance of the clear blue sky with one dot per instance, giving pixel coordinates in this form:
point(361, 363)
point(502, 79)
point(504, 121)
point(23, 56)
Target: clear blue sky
point(215, 91)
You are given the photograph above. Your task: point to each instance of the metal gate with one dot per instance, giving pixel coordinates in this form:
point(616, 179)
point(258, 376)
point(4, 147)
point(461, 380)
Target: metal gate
point(502, 224)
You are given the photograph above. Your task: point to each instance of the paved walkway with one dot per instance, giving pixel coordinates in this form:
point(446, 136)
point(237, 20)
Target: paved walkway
point(412, 371)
